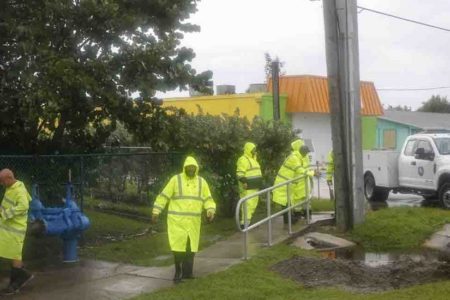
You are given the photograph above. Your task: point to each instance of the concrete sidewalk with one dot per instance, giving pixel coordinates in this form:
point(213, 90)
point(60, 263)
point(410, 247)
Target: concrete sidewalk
point(104, 280)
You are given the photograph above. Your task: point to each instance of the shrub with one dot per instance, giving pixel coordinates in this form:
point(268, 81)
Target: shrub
point(217, 142)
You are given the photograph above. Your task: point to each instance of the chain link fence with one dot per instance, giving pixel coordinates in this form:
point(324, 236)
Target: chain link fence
point(126, 178)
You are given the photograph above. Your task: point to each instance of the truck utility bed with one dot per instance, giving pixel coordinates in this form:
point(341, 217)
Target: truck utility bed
point(384, 166)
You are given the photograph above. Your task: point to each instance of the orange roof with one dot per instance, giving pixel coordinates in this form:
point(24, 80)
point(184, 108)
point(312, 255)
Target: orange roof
point(309, 93)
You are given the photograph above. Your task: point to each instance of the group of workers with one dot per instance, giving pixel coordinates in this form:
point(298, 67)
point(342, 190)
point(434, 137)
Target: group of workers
point(187, 194)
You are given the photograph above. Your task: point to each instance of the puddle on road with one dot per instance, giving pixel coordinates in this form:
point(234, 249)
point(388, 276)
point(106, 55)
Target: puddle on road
point(355, 270)
point(396, 200)
point(372, 259)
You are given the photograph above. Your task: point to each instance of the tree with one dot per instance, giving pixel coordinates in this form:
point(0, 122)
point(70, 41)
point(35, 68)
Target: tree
point(70, 67)
point(436, 104)
point(268, 65)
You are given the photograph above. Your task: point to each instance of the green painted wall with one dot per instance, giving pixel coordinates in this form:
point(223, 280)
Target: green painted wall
point(369, 132)
point(266, 108)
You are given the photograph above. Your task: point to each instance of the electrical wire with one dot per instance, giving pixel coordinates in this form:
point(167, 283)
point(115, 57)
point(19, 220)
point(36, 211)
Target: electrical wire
point(401, 18)
point(413, 89)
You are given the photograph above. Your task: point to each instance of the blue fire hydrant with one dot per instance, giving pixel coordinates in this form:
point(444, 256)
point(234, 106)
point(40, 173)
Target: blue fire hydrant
point(67, 222)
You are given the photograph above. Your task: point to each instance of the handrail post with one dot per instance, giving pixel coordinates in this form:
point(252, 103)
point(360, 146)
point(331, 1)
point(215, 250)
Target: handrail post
point(308, 199)
point(245, 232)
point(318, 180)
point(290, 210)
point(269, 223)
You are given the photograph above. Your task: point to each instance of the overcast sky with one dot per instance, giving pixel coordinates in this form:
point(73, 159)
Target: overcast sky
point(393, 53)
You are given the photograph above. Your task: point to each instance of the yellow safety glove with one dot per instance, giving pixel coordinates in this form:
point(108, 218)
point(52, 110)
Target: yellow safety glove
point(210, 215)
point(155, 218)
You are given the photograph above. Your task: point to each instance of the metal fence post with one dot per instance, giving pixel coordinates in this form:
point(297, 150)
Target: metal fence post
point(245, 232)
point(269, 223)
point(318, 180)
point(289, 206)
point(308, 198)
point(81, 183)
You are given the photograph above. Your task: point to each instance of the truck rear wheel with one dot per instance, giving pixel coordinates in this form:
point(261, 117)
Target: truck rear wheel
point(444, 195)
point(372, 192)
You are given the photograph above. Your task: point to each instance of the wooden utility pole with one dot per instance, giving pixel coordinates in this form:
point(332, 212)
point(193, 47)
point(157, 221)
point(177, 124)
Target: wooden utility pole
point(276, 89)
point(341, 39)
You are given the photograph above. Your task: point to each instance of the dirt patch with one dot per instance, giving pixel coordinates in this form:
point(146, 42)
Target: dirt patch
point(355, 276)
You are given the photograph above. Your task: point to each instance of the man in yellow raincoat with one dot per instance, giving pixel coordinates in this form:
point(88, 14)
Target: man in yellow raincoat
point(186, 195)
point(302, 184)
point(248, 173)
point(13, 225)
point(291, 168)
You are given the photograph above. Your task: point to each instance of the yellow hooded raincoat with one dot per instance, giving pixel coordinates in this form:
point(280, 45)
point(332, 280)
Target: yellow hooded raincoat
point(293, 166)
point(186, 198)
point(13, 220)
point(247, 166)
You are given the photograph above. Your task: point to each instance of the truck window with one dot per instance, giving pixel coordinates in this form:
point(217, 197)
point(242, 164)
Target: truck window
point(443, 145)
point(425, 145)
point(410, 148)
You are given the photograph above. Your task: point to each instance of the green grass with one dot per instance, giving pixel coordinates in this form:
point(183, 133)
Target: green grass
point(151, 249)
point(103, 225)
point(399, 228)
point(142, 210)
point(254, 280)
point(318, 205)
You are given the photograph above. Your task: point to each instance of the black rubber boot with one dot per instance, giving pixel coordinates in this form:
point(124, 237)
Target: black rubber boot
point(178, 267)
point(188, 266)
point(188, 261)
point(13, 287)
point(23, 277)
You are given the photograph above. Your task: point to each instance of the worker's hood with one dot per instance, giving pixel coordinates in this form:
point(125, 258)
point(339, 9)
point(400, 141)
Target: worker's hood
point(297, 144)
point(248, 148)
point(190, 161)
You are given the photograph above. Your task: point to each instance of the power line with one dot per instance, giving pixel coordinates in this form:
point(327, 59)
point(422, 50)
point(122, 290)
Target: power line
point(404, 19)
point(414, 89)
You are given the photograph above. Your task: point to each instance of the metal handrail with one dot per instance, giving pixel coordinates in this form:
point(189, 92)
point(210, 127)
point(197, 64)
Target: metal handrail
point(270, 216)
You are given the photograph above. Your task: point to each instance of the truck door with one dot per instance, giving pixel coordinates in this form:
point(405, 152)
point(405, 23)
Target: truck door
point(407, 165)
point(424, 175)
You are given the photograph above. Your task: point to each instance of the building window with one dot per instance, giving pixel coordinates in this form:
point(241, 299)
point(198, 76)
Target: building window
point(389, 139)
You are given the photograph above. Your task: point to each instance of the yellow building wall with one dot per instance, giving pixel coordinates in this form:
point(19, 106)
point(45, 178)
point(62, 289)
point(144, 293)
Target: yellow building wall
point(248, 104)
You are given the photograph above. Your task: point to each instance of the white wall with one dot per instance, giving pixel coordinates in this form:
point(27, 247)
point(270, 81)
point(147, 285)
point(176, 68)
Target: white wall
point(317, 127)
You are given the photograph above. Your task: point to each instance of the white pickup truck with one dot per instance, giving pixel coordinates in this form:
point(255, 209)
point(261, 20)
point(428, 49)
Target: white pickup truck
point(422, 167)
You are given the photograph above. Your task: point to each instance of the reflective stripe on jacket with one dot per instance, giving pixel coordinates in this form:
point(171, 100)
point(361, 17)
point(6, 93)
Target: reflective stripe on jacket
point(292, 167)
point(186, 198)
point(247, 166)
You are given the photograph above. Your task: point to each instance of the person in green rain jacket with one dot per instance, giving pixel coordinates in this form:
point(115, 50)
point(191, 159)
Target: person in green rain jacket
point(248, 172)
point(186, 196)
point(291, 168)
point(13, 226)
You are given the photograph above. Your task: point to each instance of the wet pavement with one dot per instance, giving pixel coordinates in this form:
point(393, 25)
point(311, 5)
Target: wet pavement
point(322, 191)
point(396, 200)
point(90, 279)
point(440, 240)
point(377, 259)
